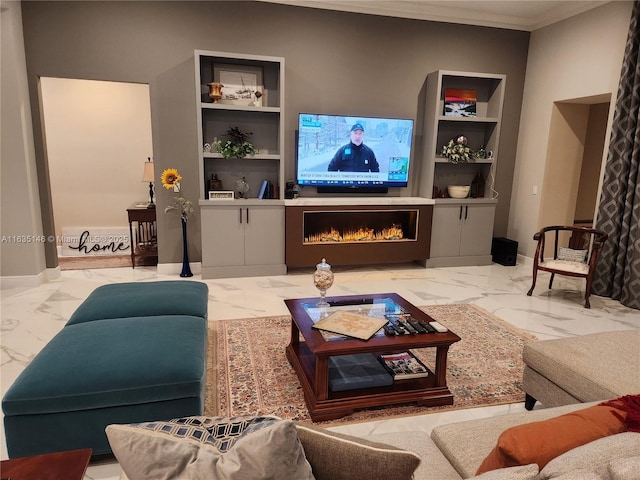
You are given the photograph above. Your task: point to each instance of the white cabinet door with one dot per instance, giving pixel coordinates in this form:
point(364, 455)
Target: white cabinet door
point(477, 229)
point(264, 235)
point(445, 231)
point(222, 236)
point(462, 230)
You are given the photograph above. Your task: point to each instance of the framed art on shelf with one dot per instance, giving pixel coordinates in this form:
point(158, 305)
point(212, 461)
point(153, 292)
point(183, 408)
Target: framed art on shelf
point(221, 195)
point(460, 103)
point(241, 84)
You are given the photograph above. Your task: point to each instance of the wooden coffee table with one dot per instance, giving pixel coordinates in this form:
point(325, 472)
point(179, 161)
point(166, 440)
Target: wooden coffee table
point(309, 352)
point(70, 465)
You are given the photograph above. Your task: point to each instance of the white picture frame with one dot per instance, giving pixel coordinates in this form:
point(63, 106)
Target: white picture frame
point(242, 84)
point(221, 194)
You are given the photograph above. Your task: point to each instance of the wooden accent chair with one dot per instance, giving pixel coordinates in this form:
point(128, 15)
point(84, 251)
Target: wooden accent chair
point(578, 259)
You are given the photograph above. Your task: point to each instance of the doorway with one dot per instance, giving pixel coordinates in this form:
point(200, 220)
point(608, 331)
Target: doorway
point(97, 139)
point(575, 156)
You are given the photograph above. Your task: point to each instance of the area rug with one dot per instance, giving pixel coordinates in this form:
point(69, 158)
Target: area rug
point(248, 373)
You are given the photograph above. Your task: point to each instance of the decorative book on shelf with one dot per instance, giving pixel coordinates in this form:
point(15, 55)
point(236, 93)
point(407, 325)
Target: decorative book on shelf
point(459, 103)
point(351, 324)
point(403, 366)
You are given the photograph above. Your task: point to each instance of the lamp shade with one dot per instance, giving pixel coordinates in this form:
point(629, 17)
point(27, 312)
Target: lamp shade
point(148, 174)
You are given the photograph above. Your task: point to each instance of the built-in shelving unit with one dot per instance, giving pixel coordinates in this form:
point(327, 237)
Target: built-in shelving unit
point(462, 228)
point(263, 117)
point(241, 237)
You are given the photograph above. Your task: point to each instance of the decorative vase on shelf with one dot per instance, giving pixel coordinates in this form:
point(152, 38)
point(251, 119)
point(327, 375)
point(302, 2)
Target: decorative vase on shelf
point(323, 279)
point(186, 269)
point(242, 187)
point(215, 91)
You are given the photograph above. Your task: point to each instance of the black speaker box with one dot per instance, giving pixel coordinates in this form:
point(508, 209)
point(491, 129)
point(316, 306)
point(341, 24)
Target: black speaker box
point(504, 251)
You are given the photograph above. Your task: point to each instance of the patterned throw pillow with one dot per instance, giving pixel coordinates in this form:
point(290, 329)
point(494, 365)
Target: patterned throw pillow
point(572, 255)
point(234, 448)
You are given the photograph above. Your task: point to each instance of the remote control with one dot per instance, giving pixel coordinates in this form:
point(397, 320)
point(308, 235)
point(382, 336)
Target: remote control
point(417, 326)
point(440, 328)
point(396, 328)
point(389, 330)
point(427, 327)
point(401, 328)
point(407, 326)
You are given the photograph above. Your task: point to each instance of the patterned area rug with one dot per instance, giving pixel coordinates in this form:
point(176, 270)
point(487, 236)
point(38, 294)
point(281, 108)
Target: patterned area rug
point(253, 376)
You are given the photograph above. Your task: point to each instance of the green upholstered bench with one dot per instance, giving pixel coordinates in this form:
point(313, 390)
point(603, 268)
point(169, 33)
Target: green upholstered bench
point(115, 369)
point(137, 299)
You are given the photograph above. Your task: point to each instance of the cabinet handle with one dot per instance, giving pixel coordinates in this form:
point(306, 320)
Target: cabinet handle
point(247, 215)
point(240, 212)
point(460, 216)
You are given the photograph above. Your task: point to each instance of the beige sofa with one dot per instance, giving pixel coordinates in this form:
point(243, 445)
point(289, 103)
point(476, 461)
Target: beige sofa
point(582, 369)
point(455, 451)
point(451, 452)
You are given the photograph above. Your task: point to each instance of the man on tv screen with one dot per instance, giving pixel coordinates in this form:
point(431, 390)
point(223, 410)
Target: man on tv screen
point(355, 156)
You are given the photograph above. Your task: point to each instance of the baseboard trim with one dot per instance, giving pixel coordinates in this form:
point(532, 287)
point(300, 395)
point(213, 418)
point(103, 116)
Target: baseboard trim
point(176, 268)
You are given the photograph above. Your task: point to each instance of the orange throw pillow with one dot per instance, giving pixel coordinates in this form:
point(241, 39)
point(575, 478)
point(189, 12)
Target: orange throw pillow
point(541, 442)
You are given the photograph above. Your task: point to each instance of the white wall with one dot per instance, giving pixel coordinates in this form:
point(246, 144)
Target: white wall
point(23, 262)
point(98, 136)
point(579, 57)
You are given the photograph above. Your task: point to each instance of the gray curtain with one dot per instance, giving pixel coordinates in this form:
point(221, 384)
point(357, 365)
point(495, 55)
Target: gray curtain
point(618, 271)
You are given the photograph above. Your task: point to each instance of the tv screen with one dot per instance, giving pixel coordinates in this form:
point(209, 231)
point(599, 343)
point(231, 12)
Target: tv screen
point(353, 152)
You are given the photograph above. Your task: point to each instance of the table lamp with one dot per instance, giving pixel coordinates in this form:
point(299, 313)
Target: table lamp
point(147, 176)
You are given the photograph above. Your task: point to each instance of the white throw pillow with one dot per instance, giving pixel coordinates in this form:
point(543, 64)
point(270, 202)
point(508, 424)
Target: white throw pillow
point(594, 456)
point(236, 448)
point(572, 255)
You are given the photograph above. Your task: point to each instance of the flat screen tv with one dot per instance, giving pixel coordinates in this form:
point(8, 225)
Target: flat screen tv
point(339, 153)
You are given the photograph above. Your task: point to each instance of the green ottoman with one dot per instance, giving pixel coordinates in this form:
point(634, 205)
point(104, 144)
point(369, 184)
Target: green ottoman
point(115, 369)
point(94, 374)
point(143, 299)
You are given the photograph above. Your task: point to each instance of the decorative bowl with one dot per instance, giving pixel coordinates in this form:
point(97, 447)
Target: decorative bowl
point(458, 191)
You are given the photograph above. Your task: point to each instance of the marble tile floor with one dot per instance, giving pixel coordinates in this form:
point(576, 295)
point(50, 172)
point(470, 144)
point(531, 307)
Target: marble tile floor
point(32, 316)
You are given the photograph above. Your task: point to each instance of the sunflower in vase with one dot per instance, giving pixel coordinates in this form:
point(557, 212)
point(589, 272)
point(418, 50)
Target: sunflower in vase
point(170, 179)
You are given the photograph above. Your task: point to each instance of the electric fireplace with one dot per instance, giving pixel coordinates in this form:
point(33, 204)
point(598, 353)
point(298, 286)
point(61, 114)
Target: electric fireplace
point(357, 235)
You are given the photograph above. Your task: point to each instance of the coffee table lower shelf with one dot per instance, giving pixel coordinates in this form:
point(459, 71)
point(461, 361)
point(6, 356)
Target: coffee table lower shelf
point(324, 404)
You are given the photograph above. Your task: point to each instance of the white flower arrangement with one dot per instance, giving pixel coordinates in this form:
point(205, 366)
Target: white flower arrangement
point(457, 151)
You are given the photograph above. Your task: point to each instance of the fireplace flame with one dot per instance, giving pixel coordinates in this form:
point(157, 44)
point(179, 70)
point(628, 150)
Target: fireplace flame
point(360, 235)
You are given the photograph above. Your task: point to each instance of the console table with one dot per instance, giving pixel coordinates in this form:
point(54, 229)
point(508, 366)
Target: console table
point(143, 233)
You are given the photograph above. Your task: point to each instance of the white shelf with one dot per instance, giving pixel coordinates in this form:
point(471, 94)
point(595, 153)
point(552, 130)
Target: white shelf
point(257, 156)
point(239, 108)
point(444, 118)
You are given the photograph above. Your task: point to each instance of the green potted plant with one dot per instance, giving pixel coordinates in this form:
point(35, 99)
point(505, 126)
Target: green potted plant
point(238, 145)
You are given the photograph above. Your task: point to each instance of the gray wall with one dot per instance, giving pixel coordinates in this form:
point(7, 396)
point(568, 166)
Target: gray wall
point(336, 62)
point(22, 248)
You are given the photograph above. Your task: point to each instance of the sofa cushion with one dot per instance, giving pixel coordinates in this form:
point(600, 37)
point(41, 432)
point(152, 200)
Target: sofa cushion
point(335, 456)
point(236, 448)
point(433, 465)
point(540, 442)
point(569, 363)
point(466, 444)
point(150, 360)
point(524, 472)
point(594, 456)
point(627, 468)
point(143, 299)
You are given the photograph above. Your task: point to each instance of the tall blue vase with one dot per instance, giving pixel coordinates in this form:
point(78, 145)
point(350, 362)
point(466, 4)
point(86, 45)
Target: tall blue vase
point(186, 270)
